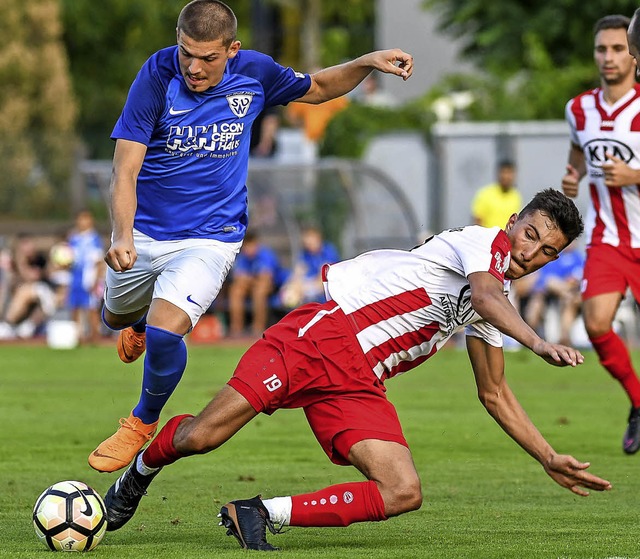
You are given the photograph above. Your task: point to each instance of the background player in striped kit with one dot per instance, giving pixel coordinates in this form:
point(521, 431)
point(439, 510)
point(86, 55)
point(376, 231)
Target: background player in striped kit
point(387, 312)
point(605, 147)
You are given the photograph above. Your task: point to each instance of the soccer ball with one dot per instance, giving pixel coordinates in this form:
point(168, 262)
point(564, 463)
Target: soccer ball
point(70, 516)
point(61, 255)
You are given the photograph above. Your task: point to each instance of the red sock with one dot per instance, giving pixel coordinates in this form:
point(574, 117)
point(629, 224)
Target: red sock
point(614, 356)
point(338, 505)
point(161, 451)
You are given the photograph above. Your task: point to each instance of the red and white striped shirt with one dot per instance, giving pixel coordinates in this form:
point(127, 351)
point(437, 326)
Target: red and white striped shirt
point(404, 305)
point(613, 217)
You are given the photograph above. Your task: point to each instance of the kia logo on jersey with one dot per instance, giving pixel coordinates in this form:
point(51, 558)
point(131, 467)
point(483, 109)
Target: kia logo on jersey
point(595, 151)
point(239, 103)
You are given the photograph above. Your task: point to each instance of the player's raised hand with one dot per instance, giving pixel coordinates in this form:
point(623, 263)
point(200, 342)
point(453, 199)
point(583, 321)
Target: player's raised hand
point(558, 354)
point(392, 61)
point(568, 472)
point(570, 182)
point(121, 255)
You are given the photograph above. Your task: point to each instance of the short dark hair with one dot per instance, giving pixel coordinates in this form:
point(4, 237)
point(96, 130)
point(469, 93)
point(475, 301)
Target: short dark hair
point(615, 21)
point(633, 33)
point(506, 164)
point(560, 209)
point(208, 20)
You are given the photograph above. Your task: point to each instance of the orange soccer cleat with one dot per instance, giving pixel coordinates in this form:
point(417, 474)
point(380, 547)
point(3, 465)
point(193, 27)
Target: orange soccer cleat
point(120, 448)
point(131, 344)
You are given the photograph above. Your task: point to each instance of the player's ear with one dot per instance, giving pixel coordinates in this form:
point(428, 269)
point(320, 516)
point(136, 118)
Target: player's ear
point(511, 222)
point(233, 49)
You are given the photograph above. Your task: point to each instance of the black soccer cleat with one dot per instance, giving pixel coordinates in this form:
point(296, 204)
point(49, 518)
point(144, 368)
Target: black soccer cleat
point(123, 497)
point(631, 440)
point(247, 520)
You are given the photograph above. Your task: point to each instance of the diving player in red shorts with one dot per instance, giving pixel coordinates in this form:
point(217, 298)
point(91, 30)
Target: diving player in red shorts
point(387, 312)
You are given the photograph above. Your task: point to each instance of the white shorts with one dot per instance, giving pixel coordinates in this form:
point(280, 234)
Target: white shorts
point(188, 273)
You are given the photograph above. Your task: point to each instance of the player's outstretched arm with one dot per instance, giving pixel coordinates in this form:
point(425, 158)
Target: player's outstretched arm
point(490, 302)
point(339, 80)
point(498, 399)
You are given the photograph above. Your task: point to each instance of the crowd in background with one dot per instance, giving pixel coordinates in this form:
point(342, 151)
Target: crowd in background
point(43, 278)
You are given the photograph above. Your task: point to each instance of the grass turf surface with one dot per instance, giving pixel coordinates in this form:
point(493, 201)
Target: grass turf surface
point(484, 497)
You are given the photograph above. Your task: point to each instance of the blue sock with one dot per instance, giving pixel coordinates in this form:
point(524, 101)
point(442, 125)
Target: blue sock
point(164, 363)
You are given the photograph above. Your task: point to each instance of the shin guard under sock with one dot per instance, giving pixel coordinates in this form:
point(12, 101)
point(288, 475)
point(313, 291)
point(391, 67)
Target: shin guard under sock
point(164, 363)
point(338, 505)
point(614, 356)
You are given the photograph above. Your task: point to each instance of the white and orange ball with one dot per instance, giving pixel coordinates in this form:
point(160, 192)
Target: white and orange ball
point(70, 516)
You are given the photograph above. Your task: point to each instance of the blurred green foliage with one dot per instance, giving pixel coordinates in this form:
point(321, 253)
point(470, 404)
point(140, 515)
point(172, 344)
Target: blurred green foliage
point(349, 131)
point(37, 111)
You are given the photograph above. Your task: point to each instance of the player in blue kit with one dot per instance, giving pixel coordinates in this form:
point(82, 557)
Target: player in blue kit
point(178, 194)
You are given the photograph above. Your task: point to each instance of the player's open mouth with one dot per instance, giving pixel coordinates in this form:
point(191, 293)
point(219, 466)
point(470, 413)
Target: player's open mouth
point(194, 80)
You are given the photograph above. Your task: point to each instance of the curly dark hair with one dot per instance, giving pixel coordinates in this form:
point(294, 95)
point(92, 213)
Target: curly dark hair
point(560, 209)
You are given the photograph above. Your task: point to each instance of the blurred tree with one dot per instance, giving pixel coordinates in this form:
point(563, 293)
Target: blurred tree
point(496, 34)
point(37, 111)
point(532, 57)
point(107, 43)
point(320, 33)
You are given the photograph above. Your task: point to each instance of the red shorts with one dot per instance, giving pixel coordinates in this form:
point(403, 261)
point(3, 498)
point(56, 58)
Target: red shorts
point(609, 269)
point(312, 360)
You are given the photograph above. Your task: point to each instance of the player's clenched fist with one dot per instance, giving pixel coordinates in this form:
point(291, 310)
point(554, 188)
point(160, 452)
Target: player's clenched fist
point(570, 182)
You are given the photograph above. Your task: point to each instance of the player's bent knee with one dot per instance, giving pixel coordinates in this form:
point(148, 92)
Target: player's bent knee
point(411, 496)
point(404, 496)
point(192, 440)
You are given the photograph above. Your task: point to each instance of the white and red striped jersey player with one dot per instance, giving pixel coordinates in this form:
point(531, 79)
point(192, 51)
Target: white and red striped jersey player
point(404, 305)
point(613, 217)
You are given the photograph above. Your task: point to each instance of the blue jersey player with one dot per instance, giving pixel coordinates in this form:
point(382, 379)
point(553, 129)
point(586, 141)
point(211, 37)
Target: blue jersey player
point(178, 194)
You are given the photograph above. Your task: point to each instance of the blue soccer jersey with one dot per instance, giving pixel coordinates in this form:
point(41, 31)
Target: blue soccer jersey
point(192, 180)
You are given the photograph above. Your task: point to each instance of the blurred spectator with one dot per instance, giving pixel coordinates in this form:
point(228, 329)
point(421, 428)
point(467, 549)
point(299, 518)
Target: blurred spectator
point(264, 145)
point(495, 203)
point(87, 277)
point(559, 281)
point(37, 290)
point(264, 133)
point(256, 275)
point(6, 274)
point(305, 282)
point(369, 93)
point(313, 119)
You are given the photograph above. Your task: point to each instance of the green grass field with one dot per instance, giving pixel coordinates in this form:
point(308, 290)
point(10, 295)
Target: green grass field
point(484, 497)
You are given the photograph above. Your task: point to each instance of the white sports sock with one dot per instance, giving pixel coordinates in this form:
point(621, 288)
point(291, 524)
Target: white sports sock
point(142, 468)
point(279, 510)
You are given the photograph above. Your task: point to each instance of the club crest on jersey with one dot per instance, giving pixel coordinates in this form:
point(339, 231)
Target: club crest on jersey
point(239, 103)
